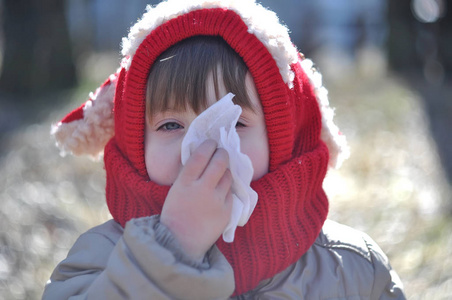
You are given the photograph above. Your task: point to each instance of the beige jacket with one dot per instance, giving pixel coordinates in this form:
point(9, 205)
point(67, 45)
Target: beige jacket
point(143, 261)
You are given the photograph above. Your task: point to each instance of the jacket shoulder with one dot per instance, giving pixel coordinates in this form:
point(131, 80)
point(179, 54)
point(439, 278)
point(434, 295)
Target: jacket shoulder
point(337, 236)
point(96, 241)
point(359, 259)
point(110, 230)
point(343, 263)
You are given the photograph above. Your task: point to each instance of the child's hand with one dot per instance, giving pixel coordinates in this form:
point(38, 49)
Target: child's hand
point(198, 205)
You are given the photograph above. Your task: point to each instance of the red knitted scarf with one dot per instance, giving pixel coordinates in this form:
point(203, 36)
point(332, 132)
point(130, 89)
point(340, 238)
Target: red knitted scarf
point(292, 205)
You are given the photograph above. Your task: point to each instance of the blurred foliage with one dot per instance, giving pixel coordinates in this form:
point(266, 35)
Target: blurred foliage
point(46, 202)
point(393, 186)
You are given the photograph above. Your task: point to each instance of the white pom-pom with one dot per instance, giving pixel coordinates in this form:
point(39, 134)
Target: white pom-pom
point(90, 134)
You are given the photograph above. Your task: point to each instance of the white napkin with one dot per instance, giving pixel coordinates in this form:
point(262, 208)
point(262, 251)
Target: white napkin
point(218, 123)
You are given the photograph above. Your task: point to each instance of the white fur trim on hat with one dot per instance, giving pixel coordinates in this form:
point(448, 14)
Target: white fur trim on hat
point(90, 134)
point(261, 22)
point(330, 134)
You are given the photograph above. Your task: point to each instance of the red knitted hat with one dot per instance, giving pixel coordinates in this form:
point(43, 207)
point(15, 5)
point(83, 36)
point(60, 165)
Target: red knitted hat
point(292, 205)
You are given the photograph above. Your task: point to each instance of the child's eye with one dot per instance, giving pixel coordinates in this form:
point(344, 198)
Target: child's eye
point(240, 124)
point(170, 126)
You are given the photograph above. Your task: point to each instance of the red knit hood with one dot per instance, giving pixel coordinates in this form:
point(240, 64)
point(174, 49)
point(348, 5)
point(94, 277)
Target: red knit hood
point(292, 205)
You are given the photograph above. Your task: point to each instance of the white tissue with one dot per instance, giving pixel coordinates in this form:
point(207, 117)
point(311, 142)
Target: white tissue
point(218, 123)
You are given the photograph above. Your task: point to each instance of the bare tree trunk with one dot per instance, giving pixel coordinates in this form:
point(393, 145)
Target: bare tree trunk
point(37, 51)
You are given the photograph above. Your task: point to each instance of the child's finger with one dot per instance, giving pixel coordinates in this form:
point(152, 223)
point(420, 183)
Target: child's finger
point(228, 203)
point(198, 160)
point(224, 185)
point(216, 168)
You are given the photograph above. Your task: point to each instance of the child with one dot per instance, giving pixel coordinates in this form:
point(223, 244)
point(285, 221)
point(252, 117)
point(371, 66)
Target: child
point(165, 240)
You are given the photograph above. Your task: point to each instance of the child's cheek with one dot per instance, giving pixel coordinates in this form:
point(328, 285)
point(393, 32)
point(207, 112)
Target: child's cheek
point(256, 147)
point(163, 162)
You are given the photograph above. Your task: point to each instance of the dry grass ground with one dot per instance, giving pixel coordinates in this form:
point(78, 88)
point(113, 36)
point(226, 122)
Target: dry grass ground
point(392, 187)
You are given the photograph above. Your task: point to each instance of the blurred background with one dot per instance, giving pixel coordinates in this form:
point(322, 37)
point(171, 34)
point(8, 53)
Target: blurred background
point(388, 68)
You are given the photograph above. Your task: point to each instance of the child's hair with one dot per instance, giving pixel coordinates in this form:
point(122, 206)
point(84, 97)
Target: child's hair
point(178, 79)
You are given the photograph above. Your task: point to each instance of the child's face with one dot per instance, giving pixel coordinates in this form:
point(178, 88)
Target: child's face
point(166, 130)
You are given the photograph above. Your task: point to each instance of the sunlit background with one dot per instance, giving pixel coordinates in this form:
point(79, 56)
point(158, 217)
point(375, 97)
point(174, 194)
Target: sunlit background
point(388, 68)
